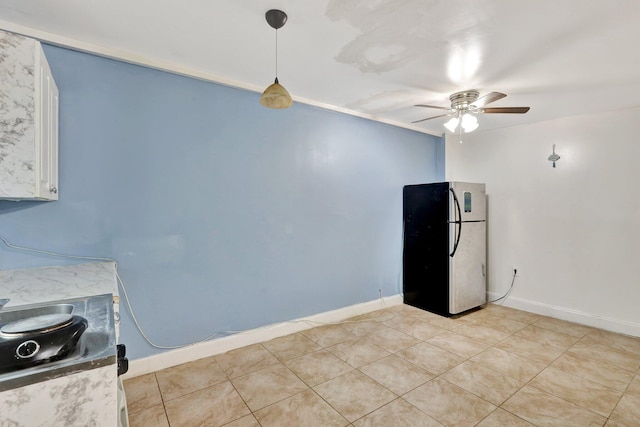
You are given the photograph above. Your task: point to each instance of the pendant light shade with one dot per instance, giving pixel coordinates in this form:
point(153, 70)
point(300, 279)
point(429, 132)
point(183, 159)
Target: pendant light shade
point(468, 123)
point(276, 96)
point(452, 124)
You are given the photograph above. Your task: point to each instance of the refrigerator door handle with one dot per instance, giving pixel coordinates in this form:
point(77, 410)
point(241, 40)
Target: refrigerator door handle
point(458, 222)
point(484, 273)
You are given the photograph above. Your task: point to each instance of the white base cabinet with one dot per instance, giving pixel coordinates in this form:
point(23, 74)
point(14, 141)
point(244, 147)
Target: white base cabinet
point(28, 121)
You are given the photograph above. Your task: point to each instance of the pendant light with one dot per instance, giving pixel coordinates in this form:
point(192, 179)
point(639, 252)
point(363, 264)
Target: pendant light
point(276, 96)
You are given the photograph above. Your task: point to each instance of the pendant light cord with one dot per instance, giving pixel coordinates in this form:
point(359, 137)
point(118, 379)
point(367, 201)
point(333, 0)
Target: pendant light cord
point(276, 53)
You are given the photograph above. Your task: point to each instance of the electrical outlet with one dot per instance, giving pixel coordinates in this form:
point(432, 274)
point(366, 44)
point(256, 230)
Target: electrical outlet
point(516, 271)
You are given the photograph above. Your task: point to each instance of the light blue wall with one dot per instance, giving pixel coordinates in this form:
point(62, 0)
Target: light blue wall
point(223, 215)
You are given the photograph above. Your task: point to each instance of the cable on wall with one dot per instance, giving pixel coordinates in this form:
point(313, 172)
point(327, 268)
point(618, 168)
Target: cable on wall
point(118, 278)
point(13, 246)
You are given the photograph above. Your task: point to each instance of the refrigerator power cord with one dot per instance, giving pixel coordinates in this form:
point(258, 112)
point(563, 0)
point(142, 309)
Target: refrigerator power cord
point(513, 280)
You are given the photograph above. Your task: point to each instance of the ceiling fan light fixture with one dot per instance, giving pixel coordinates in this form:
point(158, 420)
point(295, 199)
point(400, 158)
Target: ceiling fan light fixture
point(469, 122)
point(464, 107)
point(452, 124)
point(276, 96)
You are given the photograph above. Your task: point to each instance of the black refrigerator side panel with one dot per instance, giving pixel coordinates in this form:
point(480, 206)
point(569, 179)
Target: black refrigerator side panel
point(426, 247)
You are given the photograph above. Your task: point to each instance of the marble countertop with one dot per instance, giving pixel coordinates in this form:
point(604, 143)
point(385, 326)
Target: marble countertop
point(38, 285)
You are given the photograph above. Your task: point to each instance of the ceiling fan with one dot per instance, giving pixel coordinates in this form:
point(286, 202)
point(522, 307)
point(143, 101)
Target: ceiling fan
point(467, 103)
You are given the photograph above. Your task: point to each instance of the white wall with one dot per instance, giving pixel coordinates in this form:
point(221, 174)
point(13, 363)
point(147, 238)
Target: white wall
point(573, 231)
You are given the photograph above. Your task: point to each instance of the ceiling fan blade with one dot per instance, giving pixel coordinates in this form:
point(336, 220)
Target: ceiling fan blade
point(513, 110)
point(432, 106)
point(488, 98)
point(434, 117)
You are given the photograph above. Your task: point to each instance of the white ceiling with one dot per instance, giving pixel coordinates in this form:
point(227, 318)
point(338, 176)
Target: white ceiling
point(375, 58)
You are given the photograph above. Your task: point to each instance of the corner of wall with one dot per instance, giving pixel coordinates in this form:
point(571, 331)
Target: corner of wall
point(441, 158)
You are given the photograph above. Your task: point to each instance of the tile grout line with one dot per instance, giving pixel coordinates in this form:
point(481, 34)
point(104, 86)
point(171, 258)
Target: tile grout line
point(512, 333)
point(164, 407)
point(528, 383)
point(620, 399)
point(436, 376)
point(520, 387)
point(478, 322)
point(440, 376)
point(363, 373)
point(549, 364)
point(300, 392)
point(325, 348)
point(237, 392)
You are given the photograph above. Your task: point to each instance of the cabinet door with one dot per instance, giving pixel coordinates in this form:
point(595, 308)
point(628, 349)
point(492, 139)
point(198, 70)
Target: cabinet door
point(53, 141)
point(29, 116)
point(17, 117)
point(47, 132)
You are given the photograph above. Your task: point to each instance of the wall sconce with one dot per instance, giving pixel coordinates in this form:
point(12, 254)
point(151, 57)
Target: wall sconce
point(554, 157)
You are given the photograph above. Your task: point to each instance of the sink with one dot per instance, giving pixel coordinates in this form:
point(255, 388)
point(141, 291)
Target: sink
point(96, 346)
point(11, 315)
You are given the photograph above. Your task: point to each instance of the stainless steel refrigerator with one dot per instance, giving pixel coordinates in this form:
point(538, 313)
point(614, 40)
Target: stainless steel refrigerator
point(444, 258)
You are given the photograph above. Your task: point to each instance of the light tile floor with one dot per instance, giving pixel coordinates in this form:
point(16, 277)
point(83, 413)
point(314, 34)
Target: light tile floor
point(401, 366)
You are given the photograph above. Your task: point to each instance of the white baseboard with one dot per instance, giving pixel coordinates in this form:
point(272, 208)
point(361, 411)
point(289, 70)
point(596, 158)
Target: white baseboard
point(571, 315)
point(198, 351)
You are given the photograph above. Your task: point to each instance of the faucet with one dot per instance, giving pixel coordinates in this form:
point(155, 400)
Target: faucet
point(3, 302)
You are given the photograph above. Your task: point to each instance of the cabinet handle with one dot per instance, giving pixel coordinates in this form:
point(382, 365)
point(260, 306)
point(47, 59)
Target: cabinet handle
point(53, 190)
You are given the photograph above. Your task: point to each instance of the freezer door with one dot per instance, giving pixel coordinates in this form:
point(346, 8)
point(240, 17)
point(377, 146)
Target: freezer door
point(467, 274)
point(471, 199)
point(425, 262)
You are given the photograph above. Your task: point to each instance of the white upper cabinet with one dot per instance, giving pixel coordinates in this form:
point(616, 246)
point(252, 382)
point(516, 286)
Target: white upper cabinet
point(28, 121)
